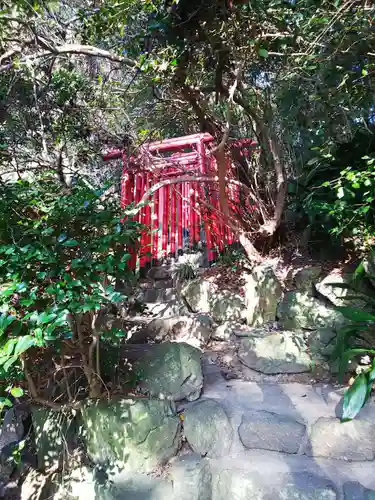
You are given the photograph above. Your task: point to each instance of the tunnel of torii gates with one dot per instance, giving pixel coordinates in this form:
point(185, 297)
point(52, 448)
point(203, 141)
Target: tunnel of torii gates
point(184, 212)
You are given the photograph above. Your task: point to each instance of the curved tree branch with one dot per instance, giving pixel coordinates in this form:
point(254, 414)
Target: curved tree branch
point(69, 48)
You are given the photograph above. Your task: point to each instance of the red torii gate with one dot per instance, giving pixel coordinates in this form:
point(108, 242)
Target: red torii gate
point(189, 209)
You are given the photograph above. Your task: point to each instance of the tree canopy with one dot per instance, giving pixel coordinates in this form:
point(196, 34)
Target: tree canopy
point(76, 77)
point(80, 77)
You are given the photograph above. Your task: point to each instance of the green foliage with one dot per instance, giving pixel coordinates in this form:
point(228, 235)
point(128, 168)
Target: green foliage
point(61, 252)
point(185, 271)
point(231, 257)
point(342, 190)
point(357, 340)
point(355, 397)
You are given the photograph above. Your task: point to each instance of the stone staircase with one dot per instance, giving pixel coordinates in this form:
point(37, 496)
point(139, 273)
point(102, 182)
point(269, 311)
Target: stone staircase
point(159, 293)
point(211, 436)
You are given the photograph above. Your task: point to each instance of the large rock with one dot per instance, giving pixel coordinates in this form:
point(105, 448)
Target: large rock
point(305, 279)
point(272, 353)
point(130, 486)
point(159, 273)
point(355, 491)
point(193, 330)
point(239, 485)
point(302, 310)
point(171, 370)
point(306, 486)
point(334, 287)
point(369, 266)
point(223, 332)
point(54, 433)
point(269, 431)
point(39, 486)
point(204, 295)
point(226, 330)
point(134, 434)
point(354, 440)
point(321, 342)
point(191, 477)
point(207, 429)
point(245, 331)
point(168, 309)
point(262, 294)
point(257, 304)
point(11, 433)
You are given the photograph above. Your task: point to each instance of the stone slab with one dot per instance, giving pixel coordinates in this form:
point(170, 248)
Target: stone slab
point(280, 352)
point(278, 470)
point(271, 431)
point(354, 440)
point(166, 309)
point(245, 485)
point(191, 478)
point(155, 295)
point(171, 370)
point(207, 429)
point(305, 403)
point(136, 434)
point(54, 434)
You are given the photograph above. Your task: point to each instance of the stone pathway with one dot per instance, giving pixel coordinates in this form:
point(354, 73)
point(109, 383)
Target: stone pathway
point(281, 441)
point(260, 440)
point(263, 441)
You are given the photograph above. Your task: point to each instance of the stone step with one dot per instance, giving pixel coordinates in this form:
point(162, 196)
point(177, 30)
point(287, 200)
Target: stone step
point(257, 475)
point(247, 430)
point(154, 295)
point(159, 273)
point(249, 476)
point(242, 440)
point(166, 309)
point(261, 475)
point(166, 284)
point(147, 284)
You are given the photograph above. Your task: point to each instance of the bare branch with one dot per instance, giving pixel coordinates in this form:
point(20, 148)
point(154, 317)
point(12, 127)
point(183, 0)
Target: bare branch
point(177, 180)
point(77, 49)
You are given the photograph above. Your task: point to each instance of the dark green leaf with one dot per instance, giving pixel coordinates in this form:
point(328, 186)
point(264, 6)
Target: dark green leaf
point(359, 271)
point(16, 327)
point(354, 398)
point(23, 344)
point(5, 402)
point(371, 373)
point(355, 314)
point(70, 243)
point(345, 355)
point(10, 362)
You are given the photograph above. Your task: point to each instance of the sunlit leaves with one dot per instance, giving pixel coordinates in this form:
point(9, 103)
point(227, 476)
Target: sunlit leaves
point(16, 392)
point(61, 274)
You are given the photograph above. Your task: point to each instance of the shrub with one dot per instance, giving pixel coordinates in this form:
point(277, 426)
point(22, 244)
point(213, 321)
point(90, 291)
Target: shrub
point(60, 254)
point(338, 190)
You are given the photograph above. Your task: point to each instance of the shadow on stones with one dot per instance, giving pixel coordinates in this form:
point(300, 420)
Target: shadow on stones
point(310, 482)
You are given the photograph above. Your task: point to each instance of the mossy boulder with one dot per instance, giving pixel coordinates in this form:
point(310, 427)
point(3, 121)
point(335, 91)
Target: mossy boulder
point(131, 434)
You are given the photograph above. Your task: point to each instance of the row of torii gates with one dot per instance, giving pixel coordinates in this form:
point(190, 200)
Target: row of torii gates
point(182, 213)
